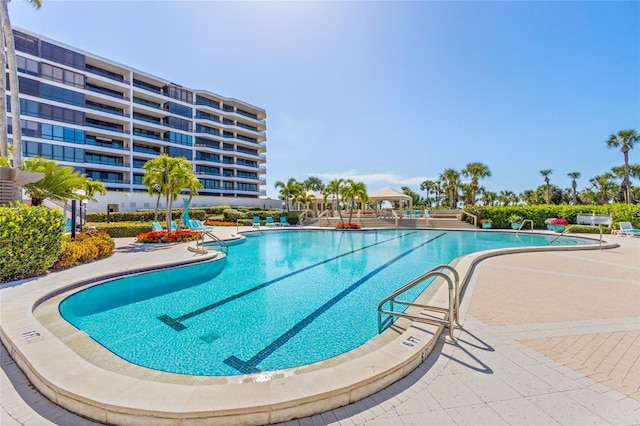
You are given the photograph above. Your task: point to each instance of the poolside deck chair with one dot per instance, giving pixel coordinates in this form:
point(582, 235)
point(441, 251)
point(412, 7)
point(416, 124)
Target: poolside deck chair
point(416, 214)
point(256, 222)
point(283, 221)
point(628, 229)
point(407, 214)
point(155, 226)
point(270, 221)
point(174, 225)
point(197, 225)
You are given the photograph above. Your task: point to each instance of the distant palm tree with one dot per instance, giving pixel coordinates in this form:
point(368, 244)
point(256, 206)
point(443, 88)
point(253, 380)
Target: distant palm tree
point(288, 190)
point(624, 139)
point(334, 189)
point(476, 171)
point(605, 187)
point(545, 174)
point(506, 197)
point(16, 129)
point(429, 187)
point(574, 185)
point(313, 183)
point(353, 191)
point(452, 179)
point(489, 198)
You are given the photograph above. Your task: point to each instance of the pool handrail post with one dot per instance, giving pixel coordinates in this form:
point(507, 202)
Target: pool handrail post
point(571, 226)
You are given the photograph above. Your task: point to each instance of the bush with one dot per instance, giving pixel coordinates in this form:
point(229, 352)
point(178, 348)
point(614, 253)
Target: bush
point(122, 229)
point(168, 237)
point(348, 226)
point(31, 240)
point(88, 247)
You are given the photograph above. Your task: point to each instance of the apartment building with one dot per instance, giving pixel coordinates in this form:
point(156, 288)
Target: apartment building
point(106, 120)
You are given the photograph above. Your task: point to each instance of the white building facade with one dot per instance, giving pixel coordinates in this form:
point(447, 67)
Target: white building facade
point(106, 120)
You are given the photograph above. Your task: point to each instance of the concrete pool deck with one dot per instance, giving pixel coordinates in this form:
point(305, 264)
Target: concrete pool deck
point(566, 356)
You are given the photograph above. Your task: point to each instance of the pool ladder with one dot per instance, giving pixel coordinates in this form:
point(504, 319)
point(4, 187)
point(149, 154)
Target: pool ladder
point(200, 242)
point(451, 313)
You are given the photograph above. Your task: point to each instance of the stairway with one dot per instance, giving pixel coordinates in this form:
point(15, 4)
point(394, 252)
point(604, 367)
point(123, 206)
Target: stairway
point(370, 223)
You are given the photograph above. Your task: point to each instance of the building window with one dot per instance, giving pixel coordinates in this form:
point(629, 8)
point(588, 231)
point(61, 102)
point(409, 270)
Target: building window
point(27, 66)
point(61, 55)
point(25, 43)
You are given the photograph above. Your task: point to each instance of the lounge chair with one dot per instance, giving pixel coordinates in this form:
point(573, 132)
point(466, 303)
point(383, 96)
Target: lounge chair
point(174, 225)
point(628, 229)
point(197, 225)
point(256, 222)
point(155, 226)
point(427, 213)
point(283, 221)
point(270, 221)
point(416, 214)
point(407, 214)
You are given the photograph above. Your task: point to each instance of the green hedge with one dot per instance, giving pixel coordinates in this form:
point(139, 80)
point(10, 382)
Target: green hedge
point(122, 229)
point(31, 240)
point(538, 213)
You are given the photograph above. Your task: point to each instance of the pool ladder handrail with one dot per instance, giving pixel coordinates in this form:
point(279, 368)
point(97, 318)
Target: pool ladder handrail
point(581, 226)
point(522, 224)
point(452, 311)
point(200, 241)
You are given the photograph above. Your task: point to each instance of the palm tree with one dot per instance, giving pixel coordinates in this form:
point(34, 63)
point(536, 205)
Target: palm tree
point(334, 189)
point(288, 190)
point(475, 171)
point(605, 187)
point(506, 197)
point(545, 173)
point(624, 139)
point(313, 183)
point(16, 132)
point(58, 183)
point(353, 191)
point(574, 185)
point(168, 176)
point(489, 198)
point(428, 186)
point(451, 178)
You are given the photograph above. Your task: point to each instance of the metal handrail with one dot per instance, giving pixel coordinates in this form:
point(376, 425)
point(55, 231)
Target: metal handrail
point(452, 310)
point(475, 218)
point(522, 224)
point(586, 226)
point(223, 244)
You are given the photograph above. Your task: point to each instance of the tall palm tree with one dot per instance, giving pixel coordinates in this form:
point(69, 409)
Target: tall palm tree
point(7, 30)
point(476, 171)
point(574, 185)
point(334, 190)
point(624, 139)
point(506, 197)
point(489, 198)
point(353, 191)
point(428, 186)
point(545, 173)
point(288, 190)
point(451, 177)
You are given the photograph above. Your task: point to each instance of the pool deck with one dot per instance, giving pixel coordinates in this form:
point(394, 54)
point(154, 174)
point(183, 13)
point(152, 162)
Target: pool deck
point(546, 338)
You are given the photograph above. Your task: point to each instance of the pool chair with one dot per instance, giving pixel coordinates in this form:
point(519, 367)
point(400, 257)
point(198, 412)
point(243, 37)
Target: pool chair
point(155, 226)
point(174, 225)
point(197, 225)
point(256, 222)
point(407, 214)
point(416, 214)
point(627, 229)
point(270, 221)
point(283, 221)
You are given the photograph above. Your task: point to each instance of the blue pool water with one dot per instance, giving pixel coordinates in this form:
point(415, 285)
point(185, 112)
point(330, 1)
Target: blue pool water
point(281, 299)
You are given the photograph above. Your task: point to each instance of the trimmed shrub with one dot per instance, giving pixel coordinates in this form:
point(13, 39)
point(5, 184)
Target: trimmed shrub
point(31, 240)
point(122, 229)
point(88, 247)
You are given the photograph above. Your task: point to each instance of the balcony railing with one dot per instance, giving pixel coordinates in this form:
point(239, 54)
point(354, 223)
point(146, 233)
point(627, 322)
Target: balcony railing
point(108, 93)
point(106, 74)
point(107, 110)
point(101, 126)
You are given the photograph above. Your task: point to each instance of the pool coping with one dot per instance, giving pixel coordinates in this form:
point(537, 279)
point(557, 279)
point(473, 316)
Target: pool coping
point(109, 397)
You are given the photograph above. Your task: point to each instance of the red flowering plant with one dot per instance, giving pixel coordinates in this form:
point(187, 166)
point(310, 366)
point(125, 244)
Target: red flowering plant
point(157, 237)
point(348, 226)
point(219, 223)
point(558, 221)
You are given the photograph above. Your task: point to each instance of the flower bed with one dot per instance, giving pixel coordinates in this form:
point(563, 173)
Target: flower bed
point(348, 226)
point(168, 237)
point(219, 223)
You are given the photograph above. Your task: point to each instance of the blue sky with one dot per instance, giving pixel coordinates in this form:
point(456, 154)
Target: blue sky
point(391, 93)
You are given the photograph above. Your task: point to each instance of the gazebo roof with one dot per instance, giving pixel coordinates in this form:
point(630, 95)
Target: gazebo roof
point(388, 194)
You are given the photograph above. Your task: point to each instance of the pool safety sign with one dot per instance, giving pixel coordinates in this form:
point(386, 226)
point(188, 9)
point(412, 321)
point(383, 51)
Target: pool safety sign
point(31, 336)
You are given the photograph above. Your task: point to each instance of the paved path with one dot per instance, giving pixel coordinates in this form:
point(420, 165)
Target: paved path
point(549, 338)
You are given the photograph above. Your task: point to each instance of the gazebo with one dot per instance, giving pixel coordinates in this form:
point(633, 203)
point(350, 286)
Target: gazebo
point(390, 194)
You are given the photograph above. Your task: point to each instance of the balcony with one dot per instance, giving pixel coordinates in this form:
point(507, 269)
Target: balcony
point(105, 127)
point(107, 92)
point(107, 74)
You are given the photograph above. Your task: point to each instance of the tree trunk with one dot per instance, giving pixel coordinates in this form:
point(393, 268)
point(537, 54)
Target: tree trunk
point(16, 133)
point(4, 138)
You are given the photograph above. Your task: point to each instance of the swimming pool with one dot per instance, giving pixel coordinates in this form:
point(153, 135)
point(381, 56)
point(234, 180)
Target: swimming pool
point(280, 300)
